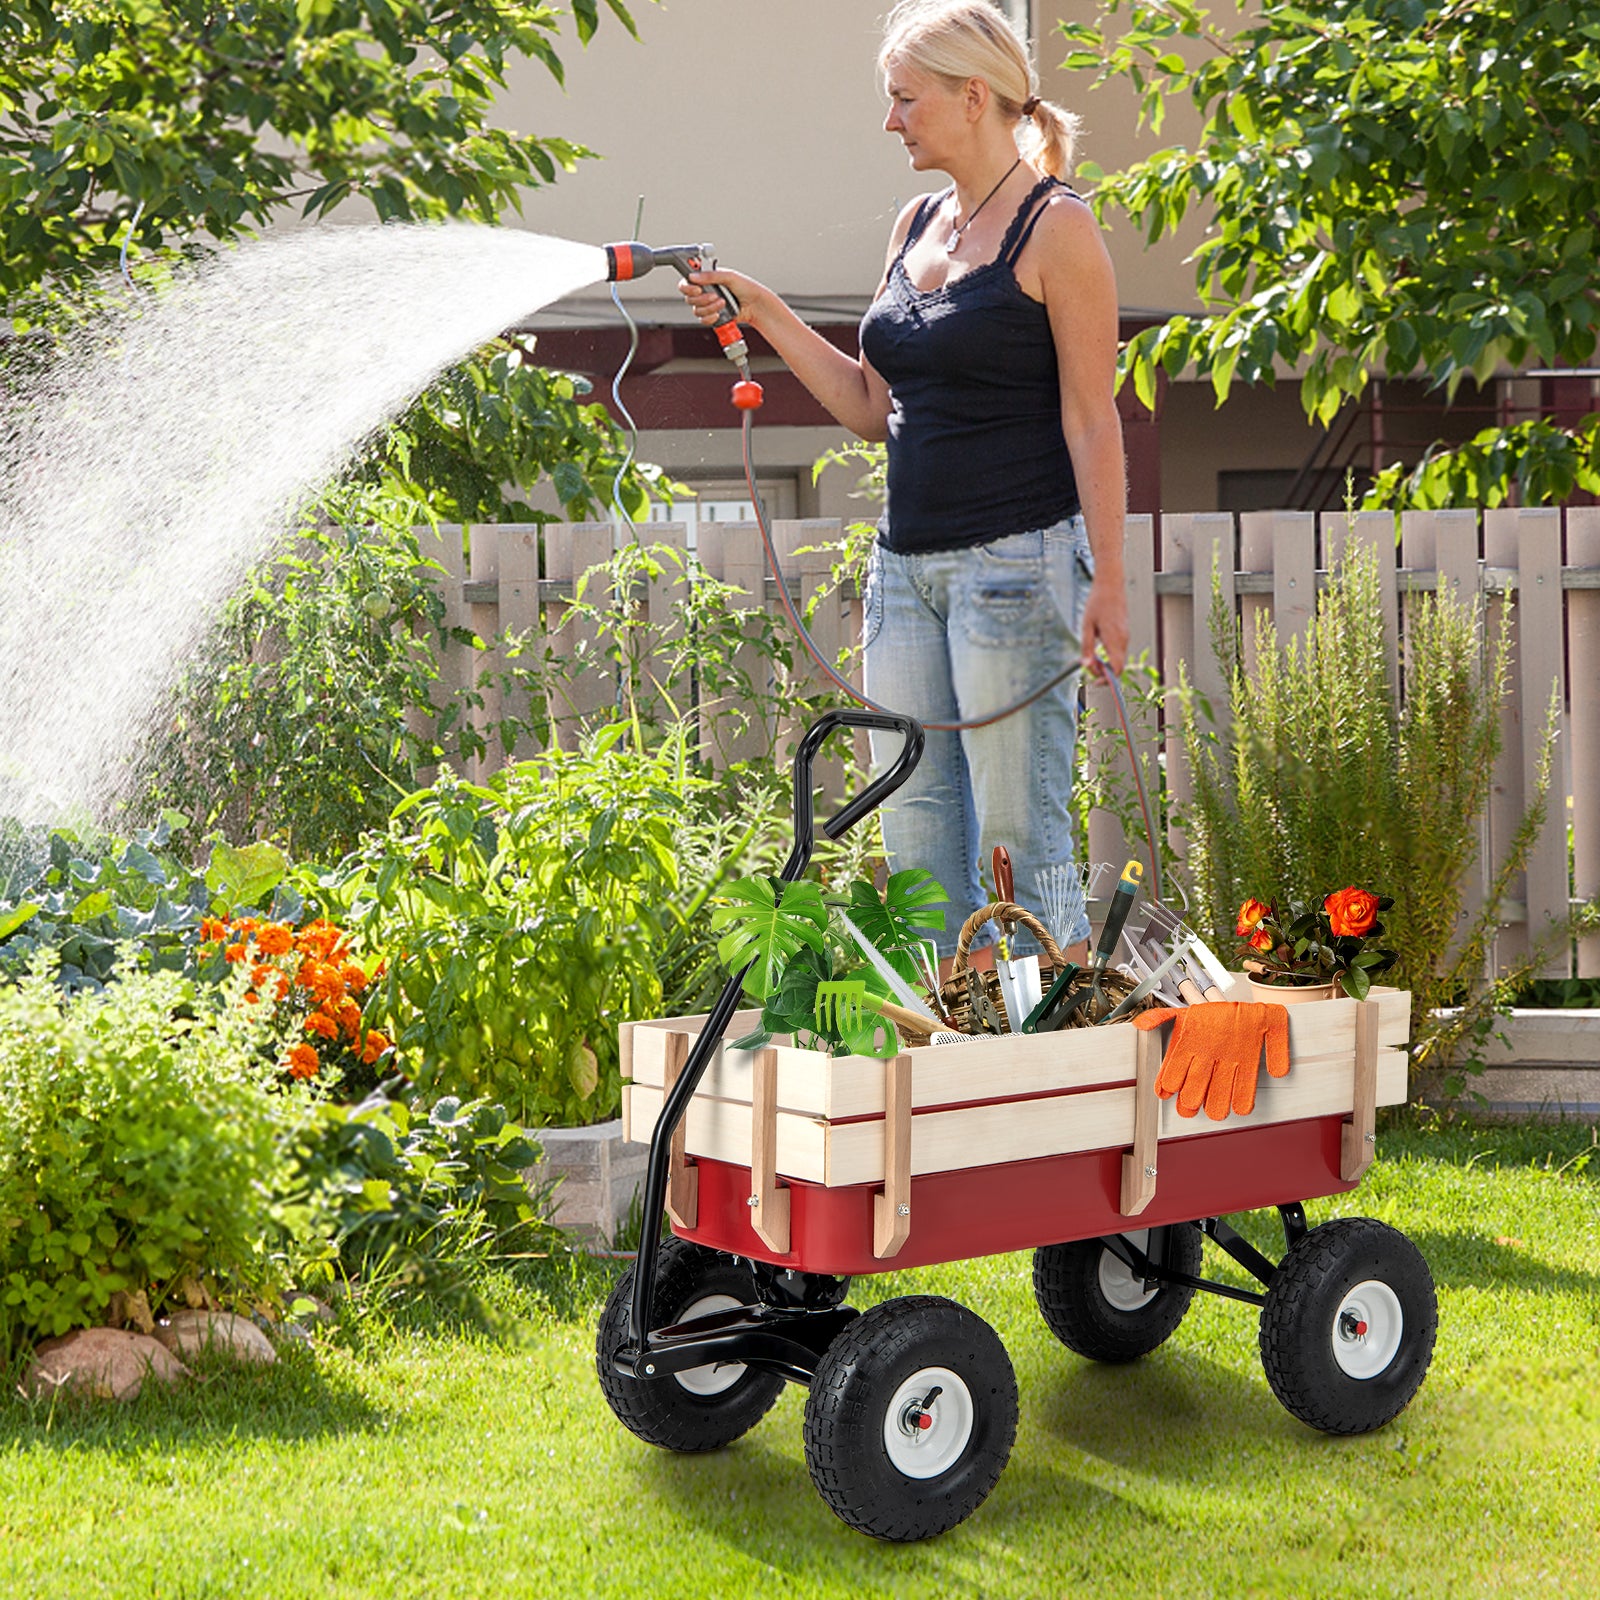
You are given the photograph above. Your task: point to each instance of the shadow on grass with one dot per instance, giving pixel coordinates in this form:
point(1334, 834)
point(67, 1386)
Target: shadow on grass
point(1463, 1260)
point(294, 1400)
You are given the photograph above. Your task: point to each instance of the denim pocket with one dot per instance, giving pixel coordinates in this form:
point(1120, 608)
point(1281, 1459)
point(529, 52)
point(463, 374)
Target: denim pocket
point(1002, 591)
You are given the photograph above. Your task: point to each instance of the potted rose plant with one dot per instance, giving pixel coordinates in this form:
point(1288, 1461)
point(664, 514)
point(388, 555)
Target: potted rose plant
point(1311, 953)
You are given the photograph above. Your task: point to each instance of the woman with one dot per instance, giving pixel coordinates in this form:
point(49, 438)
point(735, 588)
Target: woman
point(987, 362)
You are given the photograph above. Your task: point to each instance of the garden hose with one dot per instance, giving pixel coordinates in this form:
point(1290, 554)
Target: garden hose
point(632, 260)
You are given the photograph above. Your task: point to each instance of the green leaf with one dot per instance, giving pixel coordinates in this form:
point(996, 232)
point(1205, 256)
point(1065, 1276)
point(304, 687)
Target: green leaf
point(243, 877)
point(757, 929)
point(15, 917)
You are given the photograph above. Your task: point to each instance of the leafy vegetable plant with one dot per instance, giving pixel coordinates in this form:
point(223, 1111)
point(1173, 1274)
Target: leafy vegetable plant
point(788, 946)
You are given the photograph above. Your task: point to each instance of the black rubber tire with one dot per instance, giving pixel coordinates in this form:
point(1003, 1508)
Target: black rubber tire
point(1072, 1299)
point(1299, 1324)
point(848, 1404)
point(661, 1410)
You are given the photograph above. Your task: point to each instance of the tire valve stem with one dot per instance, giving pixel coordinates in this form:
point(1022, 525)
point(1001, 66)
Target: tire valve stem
point(1351, 1326)
point(921, 1413)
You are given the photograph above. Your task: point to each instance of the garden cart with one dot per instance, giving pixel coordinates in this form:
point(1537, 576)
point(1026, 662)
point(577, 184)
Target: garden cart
point(786, 1171)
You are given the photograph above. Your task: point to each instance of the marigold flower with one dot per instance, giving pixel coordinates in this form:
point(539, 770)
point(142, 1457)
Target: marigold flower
point(275, 940)
point(349, 1015)
point(320, 1022)
point(234, 952)
point(303, 1062)
point(212, 930)
point(252, 998)
point(1250, 913)
point(374, 1047)
point(354, 976)
point(261, 975)
point(1351, 912)
point(279, 985)
point(246, 925)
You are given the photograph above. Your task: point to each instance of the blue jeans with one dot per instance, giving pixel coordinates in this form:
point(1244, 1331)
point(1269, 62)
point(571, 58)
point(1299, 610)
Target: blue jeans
point(953, 635)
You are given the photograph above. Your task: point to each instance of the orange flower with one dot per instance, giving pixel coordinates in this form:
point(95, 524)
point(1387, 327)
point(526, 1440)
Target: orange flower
point(234, 952)
point(1261, 940)
point(252, 998)
point(1351, 912)
point(261, 976)
point(349, 1014)
point(318, 1022)
point(303, 1062)
point(246, 925)
point(374, 1047)
point(212, 931)
point(278, 984)
point(354, 975)
point(275, 939)
point(1250, 913)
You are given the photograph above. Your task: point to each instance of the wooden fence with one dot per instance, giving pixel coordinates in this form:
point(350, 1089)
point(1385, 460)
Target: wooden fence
point(1543, 564)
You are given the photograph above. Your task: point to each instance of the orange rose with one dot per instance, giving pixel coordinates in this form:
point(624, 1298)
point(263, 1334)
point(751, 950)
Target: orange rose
point(274, 939)
point(303, 1062)
point(1250, 913)
point(1351, 912)
point(1261, 940)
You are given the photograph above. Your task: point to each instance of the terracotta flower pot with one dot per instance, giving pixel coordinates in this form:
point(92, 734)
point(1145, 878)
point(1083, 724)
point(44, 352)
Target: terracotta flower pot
point(1293, 994)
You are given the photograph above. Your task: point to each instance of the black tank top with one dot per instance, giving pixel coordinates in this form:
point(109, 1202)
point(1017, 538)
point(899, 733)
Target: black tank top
point(976, 450)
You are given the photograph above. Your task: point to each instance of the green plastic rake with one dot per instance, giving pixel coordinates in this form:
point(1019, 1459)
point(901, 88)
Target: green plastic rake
point(842, 1007)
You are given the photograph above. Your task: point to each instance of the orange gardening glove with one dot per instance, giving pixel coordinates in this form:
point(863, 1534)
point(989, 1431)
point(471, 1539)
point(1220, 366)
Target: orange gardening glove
point(1214, 1058)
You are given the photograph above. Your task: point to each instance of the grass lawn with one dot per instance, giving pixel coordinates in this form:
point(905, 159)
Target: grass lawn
point(424, 1461)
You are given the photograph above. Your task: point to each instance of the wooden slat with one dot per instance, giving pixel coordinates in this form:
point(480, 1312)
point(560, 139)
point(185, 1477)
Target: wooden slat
point(1543, 672)
point(1139, 1164)
point(891, 1206)
point(683, 1182)
point(1374, 531)
point(835, 1087)
point(570, 550)
point(1583, 643)
point(1358, 1143)
point(1507, 799)
point(1175, 620)
point(483, 550)
point(838, 1154)
point(1294, 573)
point(733, 728)
point(769, 1204)
point(519, 613)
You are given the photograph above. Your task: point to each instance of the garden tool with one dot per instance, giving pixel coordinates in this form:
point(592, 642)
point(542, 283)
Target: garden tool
point(898, 987)
point(1087, 1000)
point(1019, 977)
point(1163, 925)
point(927, 954)
point(1145, 986)
point(1061, 895)
point(1143, 959)
point(1214, 1057)
point(1052, 1010)
point(842, 1004)
point(985, 1014)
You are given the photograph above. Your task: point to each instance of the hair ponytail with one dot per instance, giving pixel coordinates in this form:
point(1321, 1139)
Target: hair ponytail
point(1050, 138)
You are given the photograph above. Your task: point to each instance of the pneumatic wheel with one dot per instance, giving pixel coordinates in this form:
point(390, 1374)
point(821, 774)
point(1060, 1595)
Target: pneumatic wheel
point(1348, 1329)
point(1096, 1307)
point(910, 1418)
point(705, 1407)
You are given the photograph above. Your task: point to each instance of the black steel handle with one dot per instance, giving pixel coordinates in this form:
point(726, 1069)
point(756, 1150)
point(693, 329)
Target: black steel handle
point(676, 1104)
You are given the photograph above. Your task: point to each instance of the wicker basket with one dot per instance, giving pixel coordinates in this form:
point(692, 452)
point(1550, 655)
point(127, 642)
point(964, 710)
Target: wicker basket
point(953, 992)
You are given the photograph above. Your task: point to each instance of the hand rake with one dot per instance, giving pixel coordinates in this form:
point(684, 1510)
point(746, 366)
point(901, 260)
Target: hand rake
point(841, 1006)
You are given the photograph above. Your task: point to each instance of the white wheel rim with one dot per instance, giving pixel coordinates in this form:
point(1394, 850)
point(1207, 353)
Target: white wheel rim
point(921, 1451)
point(718, 1376)
point(1123, 1291)
point(1367, 1329)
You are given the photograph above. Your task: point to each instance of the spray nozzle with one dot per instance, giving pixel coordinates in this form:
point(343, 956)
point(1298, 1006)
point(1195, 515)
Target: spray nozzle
point(630, 260)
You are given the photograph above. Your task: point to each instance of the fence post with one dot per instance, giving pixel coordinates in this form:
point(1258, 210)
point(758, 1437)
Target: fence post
point(1374, 530)
point(1543, 672)
point(1506, 798)
point(483, 560)
point(570, 550)
point(1583, 687)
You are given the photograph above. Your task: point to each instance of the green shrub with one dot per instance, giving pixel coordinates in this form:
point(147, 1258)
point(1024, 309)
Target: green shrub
point(140, 1150)
point(526, 919)
point(396, 1190)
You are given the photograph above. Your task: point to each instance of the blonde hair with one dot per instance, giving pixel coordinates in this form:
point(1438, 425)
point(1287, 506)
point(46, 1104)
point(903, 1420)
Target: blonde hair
point(956, 40)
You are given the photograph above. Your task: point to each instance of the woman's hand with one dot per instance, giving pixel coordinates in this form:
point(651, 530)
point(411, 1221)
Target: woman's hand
point(708, 305)
point(1105, 625)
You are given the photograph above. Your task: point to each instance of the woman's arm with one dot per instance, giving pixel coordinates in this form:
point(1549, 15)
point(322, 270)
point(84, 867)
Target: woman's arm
point(1075, 279)
point(848, 388)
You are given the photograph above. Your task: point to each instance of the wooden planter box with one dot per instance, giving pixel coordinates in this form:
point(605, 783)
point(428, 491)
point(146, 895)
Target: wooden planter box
point(849, 1164)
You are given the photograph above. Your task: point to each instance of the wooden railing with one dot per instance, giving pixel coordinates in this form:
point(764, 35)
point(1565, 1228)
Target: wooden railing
point(1538, 571)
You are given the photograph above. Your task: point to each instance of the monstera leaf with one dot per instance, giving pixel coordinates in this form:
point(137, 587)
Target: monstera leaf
point(767, 924)
point(898, 920)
